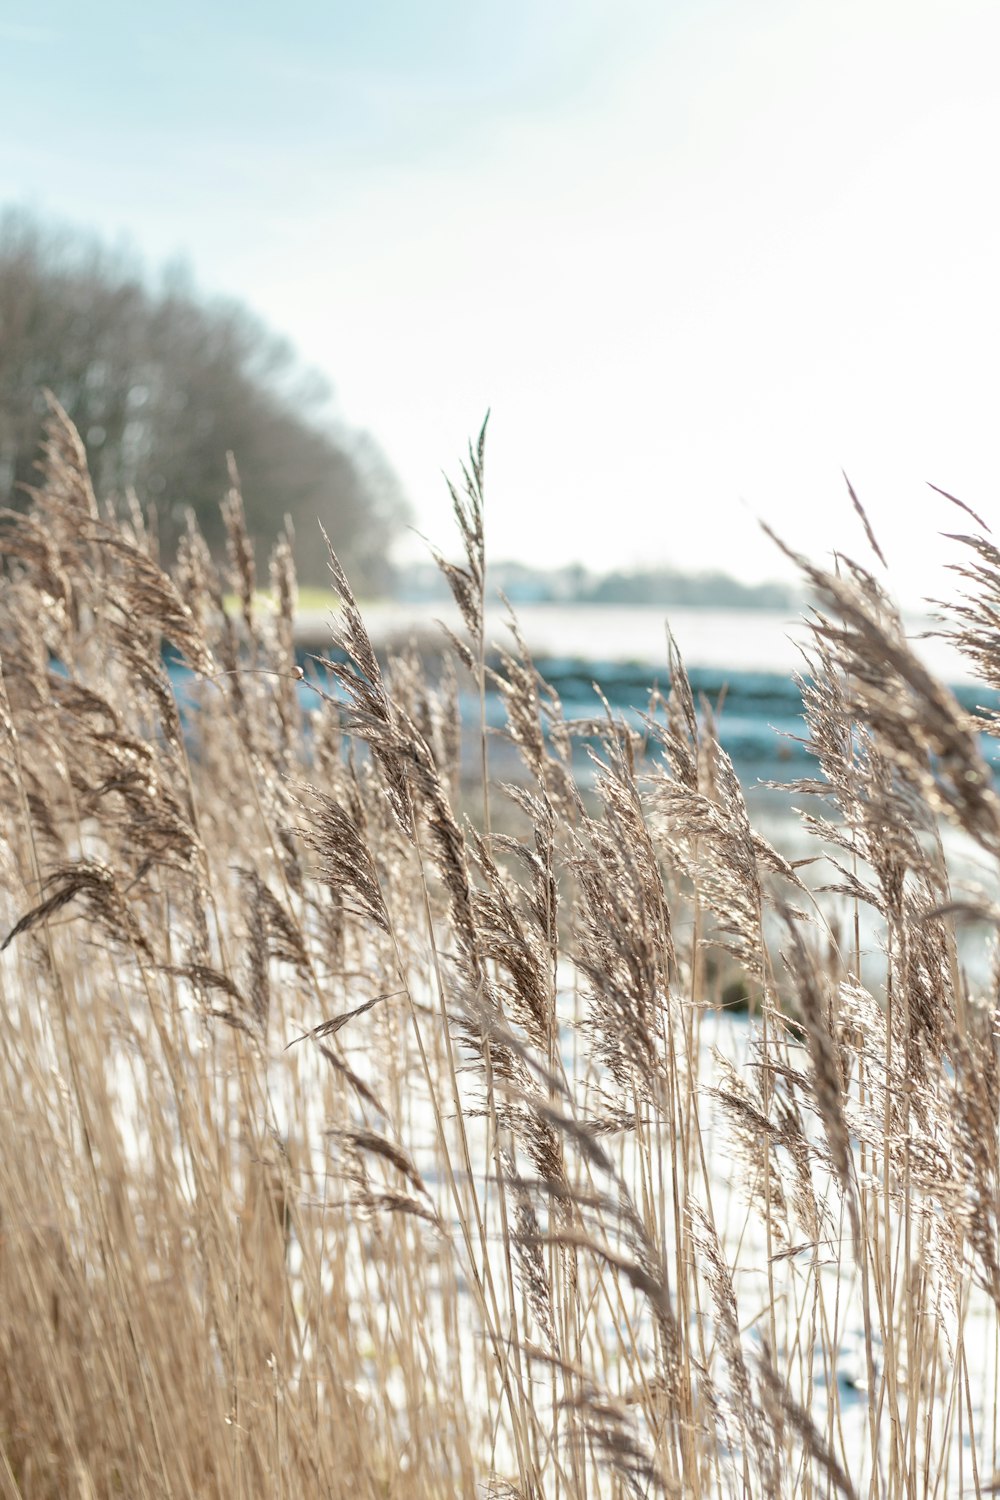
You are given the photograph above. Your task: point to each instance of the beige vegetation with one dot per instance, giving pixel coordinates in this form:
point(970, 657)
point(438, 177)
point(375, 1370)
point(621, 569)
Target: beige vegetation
point(352, 1148)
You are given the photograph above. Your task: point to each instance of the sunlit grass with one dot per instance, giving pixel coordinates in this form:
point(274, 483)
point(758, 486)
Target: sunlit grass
point(311, 599)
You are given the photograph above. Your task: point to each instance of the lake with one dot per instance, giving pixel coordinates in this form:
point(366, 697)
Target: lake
point(743, 658)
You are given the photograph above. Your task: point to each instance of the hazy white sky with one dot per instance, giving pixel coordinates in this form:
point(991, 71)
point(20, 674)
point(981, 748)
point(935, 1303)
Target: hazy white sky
point(695, 256)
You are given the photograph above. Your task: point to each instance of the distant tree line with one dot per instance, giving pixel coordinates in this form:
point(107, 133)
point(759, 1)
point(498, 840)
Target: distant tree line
point(667, 587)
point(662, 587)
point(162, 384)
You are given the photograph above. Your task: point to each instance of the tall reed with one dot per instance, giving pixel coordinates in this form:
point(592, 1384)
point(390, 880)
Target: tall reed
point(367, 1134)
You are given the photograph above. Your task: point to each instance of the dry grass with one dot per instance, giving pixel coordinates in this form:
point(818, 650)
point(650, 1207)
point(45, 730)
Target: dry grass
point(352, 1148)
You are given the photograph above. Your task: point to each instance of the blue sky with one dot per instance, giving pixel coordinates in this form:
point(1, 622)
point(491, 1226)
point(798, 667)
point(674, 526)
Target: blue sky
point(696, 257)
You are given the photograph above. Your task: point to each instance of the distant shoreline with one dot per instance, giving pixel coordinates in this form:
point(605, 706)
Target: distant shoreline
point(586, 631)
point(726, 639)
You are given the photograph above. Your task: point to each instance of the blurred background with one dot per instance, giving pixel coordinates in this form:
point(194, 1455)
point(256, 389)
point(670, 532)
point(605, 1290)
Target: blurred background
point(696, 257)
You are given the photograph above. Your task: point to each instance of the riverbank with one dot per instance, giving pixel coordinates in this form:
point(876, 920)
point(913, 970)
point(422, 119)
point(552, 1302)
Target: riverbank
point(726, 639)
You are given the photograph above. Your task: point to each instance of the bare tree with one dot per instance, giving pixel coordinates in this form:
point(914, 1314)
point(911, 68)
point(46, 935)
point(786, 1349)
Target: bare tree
point(162, 384)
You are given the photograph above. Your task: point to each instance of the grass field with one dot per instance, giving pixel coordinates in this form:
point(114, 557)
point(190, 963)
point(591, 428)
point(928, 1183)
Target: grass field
point(309, 597)
point(353, 1148)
